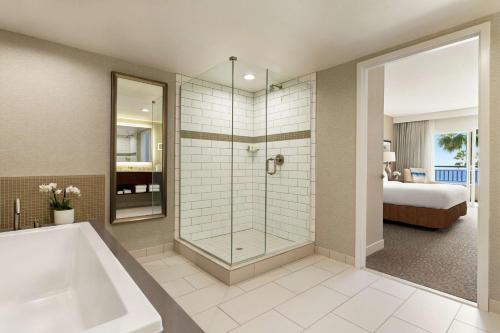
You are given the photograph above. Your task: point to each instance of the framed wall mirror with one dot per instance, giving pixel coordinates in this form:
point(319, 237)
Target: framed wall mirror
point(138, 159)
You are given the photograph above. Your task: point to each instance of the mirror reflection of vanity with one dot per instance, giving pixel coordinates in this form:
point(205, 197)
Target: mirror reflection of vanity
point(138, 181)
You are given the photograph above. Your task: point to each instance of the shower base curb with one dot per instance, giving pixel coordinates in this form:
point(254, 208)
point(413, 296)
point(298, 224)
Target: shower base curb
point(231, 275)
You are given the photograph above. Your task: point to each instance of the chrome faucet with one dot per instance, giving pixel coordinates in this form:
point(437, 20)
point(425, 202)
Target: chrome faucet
point(17, 215)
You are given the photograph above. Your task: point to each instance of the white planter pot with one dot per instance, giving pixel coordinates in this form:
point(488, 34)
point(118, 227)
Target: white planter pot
point(64, 216)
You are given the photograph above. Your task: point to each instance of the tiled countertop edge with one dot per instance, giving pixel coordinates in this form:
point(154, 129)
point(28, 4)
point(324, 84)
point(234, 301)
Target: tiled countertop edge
point(174, 318)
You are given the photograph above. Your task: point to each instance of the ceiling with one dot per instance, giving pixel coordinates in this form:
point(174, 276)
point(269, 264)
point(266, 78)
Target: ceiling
point(441, 79)
point(127, 130)
point(223, 74)
point(291, 37)
point(134, 100)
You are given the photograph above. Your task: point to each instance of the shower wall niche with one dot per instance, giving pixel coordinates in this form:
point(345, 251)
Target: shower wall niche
point(235, 203)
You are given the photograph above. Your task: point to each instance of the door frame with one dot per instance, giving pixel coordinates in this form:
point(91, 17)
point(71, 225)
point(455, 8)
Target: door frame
point(472, 165)
point(483, 32)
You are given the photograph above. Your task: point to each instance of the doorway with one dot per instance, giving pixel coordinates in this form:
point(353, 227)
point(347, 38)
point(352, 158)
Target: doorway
point(362, 152)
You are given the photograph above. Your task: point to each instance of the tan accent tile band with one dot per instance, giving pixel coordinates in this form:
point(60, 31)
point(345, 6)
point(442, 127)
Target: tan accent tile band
point(205, 136)
point(35, 205)
point(246, 139)
point(283, 136)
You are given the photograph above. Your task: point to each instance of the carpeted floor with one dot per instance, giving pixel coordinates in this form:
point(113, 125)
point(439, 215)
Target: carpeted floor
point(444, 259)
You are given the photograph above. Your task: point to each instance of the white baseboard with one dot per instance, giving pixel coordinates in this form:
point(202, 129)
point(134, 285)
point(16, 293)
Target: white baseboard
point(374, 247)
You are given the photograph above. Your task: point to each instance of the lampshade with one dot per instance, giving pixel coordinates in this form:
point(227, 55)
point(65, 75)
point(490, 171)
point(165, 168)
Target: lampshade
point(389, 156)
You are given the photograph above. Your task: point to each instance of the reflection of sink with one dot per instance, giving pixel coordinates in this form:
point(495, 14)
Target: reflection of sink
point(122, 213)
point(65, 279)
point(134, 166)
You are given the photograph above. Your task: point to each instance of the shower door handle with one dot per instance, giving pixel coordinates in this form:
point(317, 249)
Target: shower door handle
point(267, 165)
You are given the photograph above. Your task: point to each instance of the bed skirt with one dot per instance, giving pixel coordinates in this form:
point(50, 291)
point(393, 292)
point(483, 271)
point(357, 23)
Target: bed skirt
point(424, 217)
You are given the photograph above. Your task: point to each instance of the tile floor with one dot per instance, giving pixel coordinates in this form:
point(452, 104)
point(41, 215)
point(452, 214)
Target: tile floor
point(246, 244)
point(313, 295)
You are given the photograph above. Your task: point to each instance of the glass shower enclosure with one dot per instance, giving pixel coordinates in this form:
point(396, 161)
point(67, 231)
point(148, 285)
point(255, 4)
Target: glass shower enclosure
point(244, 161)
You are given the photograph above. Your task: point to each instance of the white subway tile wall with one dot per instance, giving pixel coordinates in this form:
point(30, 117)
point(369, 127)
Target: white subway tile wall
point(288, 191)
point(288, 109)
point(204, 173)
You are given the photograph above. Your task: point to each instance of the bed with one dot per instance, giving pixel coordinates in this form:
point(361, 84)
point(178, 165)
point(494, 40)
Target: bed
point(426, 205)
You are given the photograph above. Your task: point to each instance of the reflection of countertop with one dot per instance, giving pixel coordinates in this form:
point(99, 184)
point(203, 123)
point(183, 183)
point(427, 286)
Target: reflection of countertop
point(149, 171)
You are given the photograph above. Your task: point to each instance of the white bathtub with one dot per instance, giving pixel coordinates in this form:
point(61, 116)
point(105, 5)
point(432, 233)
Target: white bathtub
point(65, 279)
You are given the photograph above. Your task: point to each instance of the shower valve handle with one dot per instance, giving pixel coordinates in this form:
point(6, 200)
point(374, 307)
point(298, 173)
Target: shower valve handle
point(267, 166)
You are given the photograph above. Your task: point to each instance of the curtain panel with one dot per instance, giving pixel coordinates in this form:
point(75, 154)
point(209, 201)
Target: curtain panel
point(413, 146)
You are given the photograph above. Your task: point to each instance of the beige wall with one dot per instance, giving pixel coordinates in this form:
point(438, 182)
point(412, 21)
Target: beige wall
point(336, 114)
point(467, 123)
point(336, 157)
point(388, 128)
point(55, 119)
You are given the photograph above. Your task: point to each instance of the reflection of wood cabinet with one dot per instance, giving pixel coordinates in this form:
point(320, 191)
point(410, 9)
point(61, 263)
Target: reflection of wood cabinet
point(128, 179)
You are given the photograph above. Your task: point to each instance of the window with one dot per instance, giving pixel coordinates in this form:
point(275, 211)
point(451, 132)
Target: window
point(456, 159)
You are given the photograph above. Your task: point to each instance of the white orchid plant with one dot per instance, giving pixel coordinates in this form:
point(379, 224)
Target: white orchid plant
point(59, 198)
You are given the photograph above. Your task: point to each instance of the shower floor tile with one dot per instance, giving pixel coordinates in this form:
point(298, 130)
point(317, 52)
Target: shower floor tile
point(246, 244)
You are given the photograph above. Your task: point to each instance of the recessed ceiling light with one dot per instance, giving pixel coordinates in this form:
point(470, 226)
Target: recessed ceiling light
point(249, 76)
point(145, 110)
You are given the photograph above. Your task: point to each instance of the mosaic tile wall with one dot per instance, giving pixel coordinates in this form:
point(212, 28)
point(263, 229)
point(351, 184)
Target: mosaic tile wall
point(35, 206)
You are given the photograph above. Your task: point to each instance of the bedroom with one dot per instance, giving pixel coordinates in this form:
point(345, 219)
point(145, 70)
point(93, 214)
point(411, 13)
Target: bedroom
point(424, 227)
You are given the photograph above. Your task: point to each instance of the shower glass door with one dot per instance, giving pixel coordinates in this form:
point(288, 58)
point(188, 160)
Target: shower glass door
point(248, 158)
point(288, 127)
point(245, 138)
point(205, 155)
point(157, 145)
point(222, 174)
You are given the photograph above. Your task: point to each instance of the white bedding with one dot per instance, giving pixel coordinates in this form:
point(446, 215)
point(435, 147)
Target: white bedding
point(439, 196)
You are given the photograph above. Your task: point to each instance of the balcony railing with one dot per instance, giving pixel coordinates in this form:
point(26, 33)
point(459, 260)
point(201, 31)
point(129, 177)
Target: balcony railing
point(453, 174)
